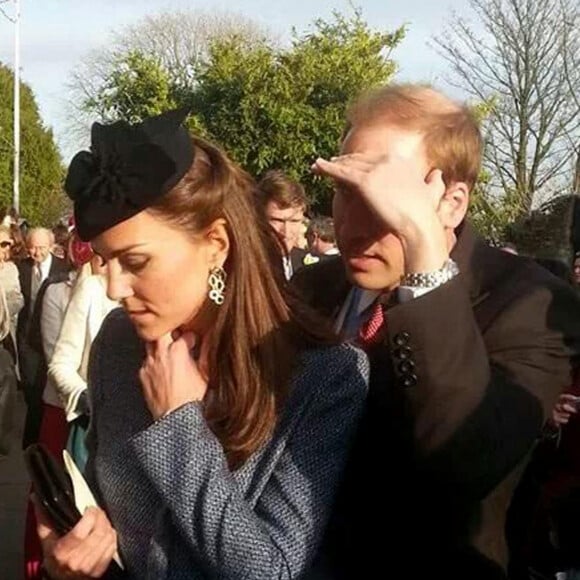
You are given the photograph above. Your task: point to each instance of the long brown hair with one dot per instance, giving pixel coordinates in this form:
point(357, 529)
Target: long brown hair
point(257, 333)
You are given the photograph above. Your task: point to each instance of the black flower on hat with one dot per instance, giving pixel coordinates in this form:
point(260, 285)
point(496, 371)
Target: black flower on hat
point(128, 168)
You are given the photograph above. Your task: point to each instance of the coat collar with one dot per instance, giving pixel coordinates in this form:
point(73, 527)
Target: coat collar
point(473, 256)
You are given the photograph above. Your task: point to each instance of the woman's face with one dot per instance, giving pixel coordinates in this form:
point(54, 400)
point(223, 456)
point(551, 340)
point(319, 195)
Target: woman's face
point(159, 272)
point(5, 246)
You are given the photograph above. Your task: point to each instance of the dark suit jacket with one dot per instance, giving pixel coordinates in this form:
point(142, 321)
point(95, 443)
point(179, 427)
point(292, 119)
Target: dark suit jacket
point(24, 330)
point(25, 273)
point(297, 256)
point(460, 388)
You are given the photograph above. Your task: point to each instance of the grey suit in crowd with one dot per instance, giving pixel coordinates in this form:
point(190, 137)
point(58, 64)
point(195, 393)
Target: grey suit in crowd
point(178, 510)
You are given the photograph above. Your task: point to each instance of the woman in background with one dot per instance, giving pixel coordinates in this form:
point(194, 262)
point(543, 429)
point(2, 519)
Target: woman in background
point(10, 283)
point(67, 370)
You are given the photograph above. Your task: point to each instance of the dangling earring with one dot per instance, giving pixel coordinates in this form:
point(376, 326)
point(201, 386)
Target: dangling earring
point(217, 285)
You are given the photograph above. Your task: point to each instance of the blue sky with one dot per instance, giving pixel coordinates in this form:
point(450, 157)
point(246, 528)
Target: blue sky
point(57, 34)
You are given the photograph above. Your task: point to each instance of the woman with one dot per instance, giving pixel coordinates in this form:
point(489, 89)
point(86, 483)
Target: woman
point(7, 381)
point(9, 279)
point(221, 417)
point(67, 371)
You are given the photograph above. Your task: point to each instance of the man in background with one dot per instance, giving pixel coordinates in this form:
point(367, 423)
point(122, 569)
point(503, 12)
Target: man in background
point(285, 203)
point(321, 238)
point(33, 272)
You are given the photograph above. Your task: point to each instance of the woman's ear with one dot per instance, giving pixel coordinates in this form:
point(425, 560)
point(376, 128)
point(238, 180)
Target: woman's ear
point(218, 243)
point(454, 204)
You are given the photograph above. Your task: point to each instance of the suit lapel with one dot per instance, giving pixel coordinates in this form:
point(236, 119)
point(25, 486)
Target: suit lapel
point(27, 280)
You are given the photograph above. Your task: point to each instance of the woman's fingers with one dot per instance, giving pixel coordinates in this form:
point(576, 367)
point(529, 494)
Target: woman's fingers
point(87, 550)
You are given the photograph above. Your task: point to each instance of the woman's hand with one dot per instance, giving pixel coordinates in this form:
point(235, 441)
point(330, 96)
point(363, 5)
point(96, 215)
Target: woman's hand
point(85, 552)
point(170, 376)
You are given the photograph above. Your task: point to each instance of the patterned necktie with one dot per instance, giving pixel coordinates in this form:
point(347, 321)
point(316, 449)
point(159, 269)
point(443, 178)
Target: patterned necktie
point(371, 331)
point(36, 282)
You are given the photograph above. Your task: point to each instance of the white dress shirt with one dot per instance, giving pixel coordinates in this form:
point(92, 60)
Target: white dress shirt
point(40, 273)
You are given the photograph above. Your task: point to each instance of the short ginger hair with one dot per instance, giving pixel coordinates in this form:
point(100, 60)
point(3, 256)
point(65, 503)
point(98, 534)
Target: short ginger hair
point(452, 138)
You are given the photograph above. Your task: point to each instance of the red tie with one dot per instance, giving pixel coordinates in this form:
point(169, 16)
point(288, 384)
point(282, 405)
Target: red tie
point(371, 331)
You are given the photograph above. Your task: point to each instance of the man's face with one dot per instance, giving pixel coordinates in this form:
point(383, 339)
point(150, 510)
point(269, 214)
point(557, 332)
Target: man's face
point(288, 223)
point(373, 255)
point(38, 246)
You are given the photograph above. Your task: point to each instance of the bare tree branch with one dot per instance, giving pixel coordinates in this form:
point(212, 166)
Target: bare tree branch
point(176, 40)
point(525, 59)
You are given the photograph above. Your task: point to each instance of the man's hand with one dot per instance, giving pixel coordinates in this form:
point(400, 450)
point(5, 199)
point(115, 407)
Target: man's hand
point(404, 201)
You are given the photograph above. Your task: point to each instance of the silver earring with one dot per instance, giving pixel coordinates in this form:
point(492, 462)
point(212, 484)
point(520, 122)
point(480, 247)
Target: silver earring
point(217, 285)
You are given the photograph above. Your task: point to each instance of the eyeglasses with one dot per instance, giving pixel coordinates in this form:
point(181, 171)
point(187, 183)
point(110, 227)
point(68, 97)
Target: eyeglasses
point(5, 244)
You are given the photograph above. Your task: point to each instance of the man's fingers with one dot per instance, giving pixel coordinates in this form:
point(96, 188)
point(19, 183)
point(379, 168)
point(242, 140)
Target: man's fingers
point(339, 171)
point(435, 182)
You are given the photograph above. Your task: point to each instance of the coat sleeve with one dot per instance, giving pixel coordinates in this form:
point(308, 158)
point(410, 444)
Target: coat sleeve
point(478, 401)
point(68, 352)
point(277, 537)
point(51, 319)
point(14, 297)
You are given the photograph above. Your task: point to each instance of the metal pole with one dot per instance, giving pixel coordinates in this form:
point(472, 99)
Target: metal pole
point(16, 189)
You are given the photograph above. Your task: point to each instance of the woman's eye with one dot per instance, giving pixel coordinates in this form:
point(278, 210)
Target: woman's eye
point(136, 265)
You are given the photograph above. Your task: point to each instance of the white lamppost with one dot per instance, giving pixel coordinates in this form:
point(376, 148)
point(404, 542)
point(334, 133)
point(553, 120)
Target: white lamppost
point(16, 21)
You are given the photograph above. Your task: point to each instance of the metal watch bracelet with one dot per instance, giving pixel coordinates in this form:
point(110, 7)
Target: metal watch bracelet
point(431, 279)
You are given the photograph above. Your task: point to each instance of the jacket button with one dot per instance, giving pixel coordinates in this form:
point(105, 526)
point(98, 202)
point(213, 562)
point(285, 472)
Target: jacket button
point(409, 381)
point(403, 353)
point(407, 366)
point(402, 338)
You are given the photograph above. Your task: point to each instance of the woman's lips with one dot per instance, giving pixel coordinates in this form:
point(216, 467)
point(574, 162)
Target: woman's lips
point(138, 313)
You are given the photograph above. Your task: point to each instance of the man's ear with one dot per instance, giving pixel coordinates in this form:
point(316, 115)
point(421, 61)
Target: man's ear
point(454, 204)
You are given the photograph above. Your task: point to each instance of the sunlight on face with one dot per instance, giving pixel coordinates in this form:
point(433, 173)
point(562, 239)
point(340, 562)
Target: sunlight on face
point(38, 245)
point(5, 246)
point(157, 271)
point(288, 223)
point(373, 256)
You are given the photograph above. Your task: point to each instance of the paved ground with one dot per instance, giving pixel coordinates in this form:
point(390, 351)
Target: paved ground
point(13, 493)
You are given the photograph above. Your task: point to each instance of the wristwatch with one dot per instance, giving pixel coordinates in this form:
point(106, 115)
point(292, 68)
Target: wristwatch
point(431, 279)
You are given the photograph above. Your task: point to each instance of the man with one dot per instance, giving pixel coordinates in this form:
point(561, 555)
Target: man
point(469, 346)
point(284, 202)
point(33, 272)
point(321, 238)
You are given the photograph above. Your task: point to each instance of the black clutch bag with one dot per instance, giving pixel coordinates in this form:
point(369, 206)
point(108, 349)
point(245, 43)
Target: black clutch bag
point(52, 487)
point(54, 490)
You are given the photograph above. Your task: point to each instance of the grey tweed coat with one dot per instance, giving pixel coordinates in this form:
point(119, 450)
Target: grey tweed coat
point(178, 511)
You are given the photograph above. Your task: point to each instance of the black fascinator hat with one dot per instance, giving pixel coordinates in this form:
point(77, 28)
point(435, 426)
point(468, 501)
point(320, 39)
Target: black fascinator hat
point(128, 168)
